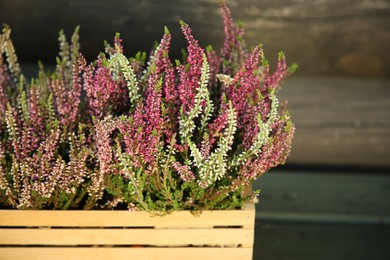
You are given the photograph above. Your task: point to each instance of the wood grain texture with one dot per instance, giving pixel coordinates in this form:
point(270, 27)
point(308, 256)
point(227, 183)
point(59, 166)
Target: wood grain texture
point(54, 234)
point(353, 195)
point(126, 253)
point(325, 37)
point(339, 121)
point(155, 237)
point(96, 218)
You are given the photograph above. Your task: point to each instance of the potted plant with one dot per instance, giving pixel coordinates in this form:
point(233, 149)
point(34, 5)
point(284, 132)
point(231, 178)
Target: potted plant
point(148, 157)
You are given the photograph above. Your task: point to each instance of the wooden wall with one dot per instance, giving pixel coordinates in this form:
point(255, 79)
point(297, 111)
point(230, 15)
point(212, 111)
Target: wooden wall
point(339, 97)
point(326, 37)
point(340, 121)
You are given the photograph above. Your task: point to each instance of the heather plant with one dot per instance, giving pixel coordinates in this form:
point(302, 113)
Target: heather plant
point(142, 133)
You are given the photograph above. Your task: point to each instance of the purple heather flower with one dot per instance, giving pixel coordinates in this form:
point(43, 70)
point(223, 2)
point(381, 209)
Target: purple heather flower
point(170, 94)
point(4, 81)
point(216, 127)
point(103, 92)
point(103, 129)
point(142, 133)
point(185, 174)
point(244, 96)
point(189, 76)
point(67, 100)
point(36, 118)
point(272, 81)
point(214, 63)
point(234, 50)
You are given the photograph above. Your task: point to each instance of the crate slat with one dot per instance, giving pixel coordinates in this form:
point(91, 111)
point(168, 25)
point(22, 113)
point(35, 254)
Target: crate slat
point(19, 236)
point(55, 234)
point(127, 253)
point(104, 218)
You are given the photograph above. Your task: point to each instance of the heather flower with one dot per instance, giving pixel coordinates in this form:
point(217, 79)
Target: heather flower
point(214, 62)
point(72, 174)
point(37, 122)
point(104, 93)
point(215, 128)
point(273, 81)
point(9, 73)
point(214, 168)
point(103, 130)
point(145, 126)
point(245, 83)
point(187, 124)
point(30, 174)
point(67, 99)
point(4, 81)
point(13, 130)
point(169, 93)
point(141, 133)
point(4, 183)
point(272, 154)
point(185, 174)
point(234, 49)
point(118, 59)
point(189, 78)
point(7, 47)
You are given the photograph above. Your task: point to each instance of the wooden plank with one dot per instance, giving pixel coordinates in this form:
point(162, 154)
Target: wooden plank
point(250, 209)
point(308, 32)
point(180, 235)
point(339, 121)
point(20, 236)
point(366, 147)
point(118, 218)
point(325, 193)
point(338, 102)
point(25, 253)
point(323, 219)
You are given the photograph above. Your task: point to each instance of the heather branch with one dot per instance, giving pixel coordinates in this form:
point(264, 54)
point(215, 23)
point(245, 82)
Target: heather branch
point(208, 112)
point(4, 184)
point(234, 49)
point(263, 135)
point(214, 168)
point(7, 47)
point(12, 128)
point(126, 166)
point(128, 73)
point(187, 124)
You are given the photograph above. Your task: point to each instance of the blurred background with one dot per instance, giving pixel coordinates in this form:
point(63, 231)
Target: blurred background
point(331, 199)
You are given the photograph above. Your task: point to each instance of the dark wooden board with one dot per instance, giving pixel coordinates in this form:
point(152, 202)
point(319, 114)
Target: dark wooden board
point(316, 195)
point(330, 37)
point(339, 121)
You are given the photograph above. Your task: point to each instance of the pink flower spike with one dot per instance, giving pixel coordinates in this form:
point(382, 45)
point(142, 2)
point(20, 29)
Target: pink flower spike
point(274, 80)
point(185, 174)
point(234, 49)
point(189, 76)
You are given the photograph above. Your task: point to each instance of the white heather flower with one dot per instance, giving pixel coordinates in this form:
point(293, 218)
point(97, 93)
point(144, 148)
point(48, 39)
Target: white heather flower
point(128, 73)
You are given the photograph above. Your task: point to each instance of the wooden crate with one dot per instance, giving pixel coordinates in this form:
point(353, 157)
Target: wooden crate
point(54, 234)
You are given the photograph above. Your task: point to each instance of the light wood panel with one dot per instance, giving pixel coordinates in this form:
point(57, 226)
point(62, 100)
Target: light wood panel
point(55, 234)
point(118, 218)
point(126, 236)
point(180, 253)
